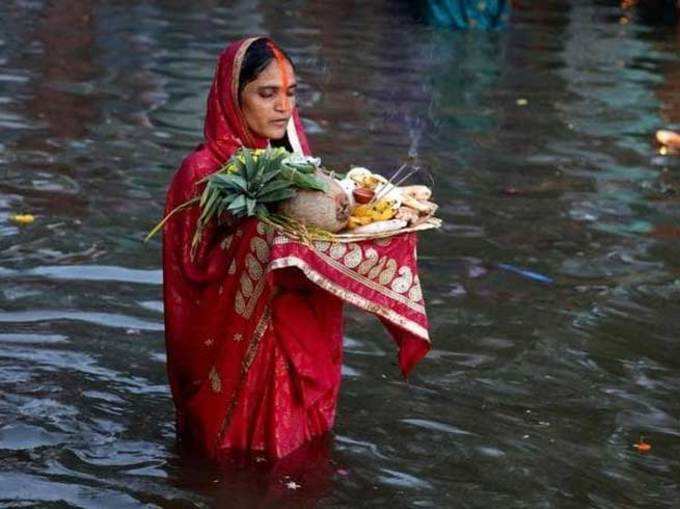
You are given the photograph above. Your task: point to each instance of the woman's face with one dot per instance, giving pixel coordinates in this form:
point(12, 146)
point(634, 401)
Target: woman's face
point(268, 101)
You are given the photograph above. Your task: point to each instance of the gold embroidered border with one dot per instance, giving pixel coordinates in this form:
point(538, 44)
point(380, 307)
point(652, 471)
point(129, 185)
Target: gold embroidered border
point(248, 358)
point(351, 297)
point(235, 73)
point(388, 292)
point(254, 343)
point(346, 238)
point(257, 292)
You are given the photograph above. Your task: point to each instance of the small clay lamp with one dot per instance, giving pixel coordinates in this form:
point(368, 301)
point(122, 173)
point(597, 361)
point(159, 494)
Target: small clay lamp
point(363, 195)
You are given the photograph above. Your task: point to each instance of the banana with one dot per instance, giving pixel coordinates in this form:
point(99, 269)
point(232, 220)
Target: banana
point(380, 210)
point(372, 209)
point(362, 210)
point(387, 213)
point(407, 203)
point(356, 221)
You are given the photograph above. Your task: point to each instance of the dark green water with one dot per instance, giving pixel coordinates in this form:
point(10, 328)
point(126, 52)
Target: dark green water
point(537, 387)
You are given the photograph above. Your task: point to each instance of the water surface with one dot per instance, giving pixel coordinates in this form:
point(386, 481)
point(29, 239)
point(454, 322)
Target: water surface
point(553, 288)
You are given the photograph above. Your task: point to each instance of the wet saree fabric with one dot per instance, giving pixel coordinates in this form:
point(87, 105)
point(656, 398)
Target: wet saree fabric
point(253, 320)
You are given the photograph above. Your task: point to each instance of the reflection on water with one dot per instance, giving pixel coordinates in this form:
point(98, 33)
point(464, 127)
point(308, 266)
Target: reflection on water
point(553, 288)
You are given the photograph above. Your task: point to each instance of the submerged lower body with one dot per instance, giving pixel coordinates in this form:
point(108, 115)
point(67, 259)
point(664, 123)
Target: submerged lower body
point(289, 394)
point(244, 480)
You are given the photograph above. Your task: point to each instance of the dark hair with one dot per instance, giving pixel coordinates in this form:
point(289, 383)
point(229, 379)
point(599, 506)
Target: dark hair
point(257, 58)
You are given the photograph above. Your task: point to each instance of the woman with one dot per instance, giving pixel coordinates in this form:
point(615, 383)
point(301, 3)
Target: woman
point(254, 353)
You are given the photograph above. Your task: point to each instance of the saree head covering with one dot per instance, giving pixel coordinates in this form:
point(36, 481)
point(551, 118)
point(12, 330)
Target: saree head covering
point(254, 345)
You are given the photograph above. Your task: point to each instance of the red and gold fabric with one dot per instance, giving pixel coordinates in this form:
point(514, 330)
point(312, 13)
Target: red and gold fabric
point(253, 320)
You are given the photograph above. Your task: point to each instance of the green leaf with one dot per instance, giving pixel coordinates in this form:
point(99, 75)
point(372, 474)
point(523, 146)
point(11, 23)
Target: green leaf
point(221, 206)
point(314, 182)
point(250, 206)
point(305, 181)
point(224, 203)
point(261, 210)
point(249, 165)
point(266, 164)
point(204, 196)
point(210, 197)
point(230, 181)
point(278, 195)
point(209, 208)
point(288, 173)
point(301, 167)
point(228, 198)
point(257, 173)
point(274, 186)
point(271, 175)
point(239, 181)
point(237, 206)
point(270, 165)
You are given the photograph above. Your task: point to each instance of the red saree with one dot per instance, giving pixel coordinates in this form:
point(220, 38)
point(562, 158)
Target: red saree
point(254, 344)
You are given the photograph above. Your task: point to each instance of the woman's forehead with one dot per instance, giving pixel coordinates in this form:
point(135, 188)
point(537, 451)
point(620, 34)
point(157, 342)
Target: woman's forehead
point(271, 75)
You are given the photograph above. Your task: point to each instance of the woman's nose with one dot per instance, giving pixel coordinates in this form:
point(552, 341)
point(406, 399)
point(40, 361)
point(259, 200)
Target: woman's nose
point(282, 103)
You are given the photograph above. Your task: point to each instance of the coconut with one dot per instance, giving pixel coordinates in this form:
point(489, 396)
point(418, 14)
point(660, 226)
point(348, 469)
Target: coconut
point(329, 211)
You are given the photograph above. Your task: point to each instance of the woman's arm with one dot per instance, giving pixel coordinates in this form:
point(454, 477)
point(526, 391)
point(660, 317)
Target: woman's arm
point(209, 260)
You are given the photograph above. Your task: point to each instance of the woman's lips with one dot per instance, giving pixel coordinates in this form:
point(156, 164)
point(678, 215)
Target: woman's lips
point(280, 122)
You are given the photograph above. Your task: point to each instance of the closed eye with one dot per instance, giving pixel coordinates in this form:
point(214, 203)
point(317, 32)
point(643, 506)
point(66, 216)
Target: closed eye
point(270, 92)
point(267, 92)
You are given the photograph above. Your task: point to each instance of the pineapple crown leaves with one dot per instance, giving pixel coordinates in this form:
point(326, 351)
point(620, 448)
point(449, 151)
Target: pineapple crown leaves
point(303, 180)
point(247, 183)
point(251, 179)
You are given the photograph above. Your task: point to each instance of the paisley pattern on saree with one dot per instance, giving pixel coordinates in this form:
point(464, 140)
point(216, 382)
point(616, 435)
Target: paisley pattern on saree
point(353, 258)
point(215, 382)
point(380, 273)
point(378, 277)
point(252, 281)
point(238, 61)
point(351, 297)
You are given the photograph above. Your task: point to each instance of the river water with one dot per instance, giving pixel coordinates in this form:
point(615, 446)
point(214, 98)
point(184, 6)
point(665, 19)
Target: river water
point(553, 288)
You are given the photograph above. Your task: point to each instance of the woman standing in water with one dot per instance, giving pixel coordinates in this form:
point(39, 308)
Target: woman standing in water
point(252, 366)
point(254, 347)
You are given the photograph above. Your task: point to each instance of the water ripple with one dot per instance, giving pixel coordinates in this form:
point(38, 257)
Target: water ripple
point(16, 487)
point(89, 273)
point(540, 142)
point(114, 320)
